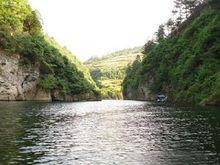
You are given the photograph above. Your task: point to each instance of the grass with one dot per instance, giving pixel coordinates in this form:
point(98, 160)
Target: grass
point(110, 70)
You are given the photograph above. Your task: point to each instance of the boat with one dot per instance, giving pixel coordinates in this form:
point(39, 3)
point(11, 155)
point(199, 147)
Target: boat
point(161, 98)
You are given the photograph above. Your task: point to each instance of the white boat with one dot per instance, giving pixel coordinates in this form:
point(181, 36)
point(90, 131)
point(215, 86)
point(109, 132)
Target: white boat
point(161, 98)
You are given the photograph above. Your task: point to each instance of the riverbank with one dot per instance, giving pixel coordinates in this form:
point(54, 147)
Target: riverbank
point(21, 83)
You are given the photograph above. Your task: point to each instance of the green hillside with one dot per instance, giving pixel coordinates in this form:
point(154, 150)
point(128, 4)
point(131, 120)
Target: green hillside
point(21, 33)
point(185, 65)
point(109, 71)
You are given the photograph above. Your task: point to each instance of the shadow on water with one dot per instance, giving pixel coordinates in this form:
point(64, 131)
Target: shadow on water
point(108, 132)
point(16, 119)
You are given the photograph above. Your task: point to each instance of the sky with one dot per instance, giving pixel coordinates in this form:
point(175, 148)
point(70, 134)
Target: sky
point(96, 27)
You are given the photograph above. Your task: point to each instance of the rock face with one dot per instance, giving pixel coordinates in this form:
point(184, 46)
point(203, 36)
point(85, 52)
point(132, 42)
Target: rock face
point(19, 82)
point(142, 92)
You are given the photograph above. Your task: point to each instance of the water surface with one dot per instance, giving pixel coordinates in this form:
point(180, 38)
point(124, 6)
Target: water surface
point(108, 132)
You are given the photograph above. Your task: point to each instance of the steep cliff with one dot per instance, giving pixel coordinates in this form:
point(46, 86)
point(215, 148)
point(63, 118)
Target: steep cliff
point(35, 67)
point(185, 65)
point(19, 82)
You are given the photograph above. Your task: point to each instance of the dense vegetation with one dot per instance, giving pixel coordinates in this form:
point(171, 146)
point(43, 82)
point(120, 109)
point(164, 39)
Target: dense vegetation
point(185, 63)
point(21, 33)
point(109, 71)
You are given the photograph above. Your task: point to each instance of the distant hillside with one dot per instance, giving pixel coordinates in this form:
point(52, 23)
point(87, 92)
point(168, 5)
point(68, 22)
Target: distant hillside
point(109, 71)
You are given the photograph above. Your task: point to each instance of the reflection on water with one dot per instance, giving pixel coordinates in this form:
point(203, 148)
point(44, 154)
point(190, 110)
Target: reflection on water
point(108, 132)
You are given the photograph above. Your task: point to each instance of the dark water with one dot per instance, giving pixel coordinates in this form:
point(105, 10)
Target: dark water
point(108, 132)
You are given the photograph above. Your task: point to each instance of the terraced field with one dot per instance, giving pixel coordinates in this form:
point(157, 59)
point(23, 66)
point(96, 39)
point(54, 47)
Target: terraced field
point(109, 71)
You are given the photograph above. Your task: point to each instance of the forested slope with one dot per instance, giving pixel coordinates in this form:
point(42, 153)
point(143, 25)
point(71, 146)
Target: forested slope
point(61, 73)
point(109, 71)
point(185, 64)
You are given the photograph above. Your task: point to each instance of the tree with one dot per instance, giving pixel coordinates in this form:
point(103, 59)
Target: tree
point(148, 46)
point(189, 6)
point(13, 13)
point(170, 26)
point(32, 24)
point(178, 11)
point(184, 8)
point(160, 34)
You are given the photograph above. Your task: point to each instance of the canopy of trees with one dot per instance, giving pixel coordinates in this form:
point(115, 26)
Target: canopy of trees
point(184, 65)
point(109, 71)
point(21, 33)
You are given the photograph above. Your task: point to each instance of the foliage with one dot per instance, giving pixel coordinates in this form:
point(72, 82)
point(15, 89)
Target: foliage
point(148, 46)
point(13, 13)
point(32, 23)
point(109, 71)
point(20, 32)
point(187, 66)
point(160, 33)
point(131, 80)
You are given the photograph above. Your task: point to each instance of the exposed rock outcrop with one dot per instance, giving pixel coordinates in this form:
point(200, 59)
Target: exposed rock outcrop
point(141, 93)
point(18, 82)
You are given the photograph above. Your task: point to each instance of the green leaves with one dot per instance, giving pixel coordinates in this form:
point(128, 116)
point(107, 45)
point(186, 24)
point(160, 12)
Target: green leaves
point(13, 13)
point(187, 66)
point(32, 23)
point(21, 33)
point(110, 70)
point(47, 82)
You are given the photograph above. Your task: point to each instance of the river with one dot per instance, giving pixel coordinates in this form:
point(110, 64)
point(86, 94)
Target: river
point(108, 132)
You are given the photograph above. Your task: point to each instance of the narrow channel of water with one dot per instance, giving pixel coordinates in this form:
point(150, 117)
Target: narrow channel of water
point(108, 132)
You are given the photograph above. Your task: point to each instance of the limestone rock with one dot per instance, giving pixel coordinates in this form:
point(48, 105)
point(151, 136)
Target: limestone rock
point(18, 82)
point(141, 93)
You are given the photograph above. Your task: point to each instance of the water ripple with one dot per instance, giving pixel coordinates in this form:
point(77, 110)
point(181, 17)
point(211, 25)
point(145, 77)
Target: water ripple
point(108, 132)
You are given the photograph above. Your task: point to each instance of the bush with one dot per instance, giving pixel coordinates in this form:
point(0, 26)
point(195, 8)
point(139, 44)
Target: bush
point(186, 66)
point(21, 33)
